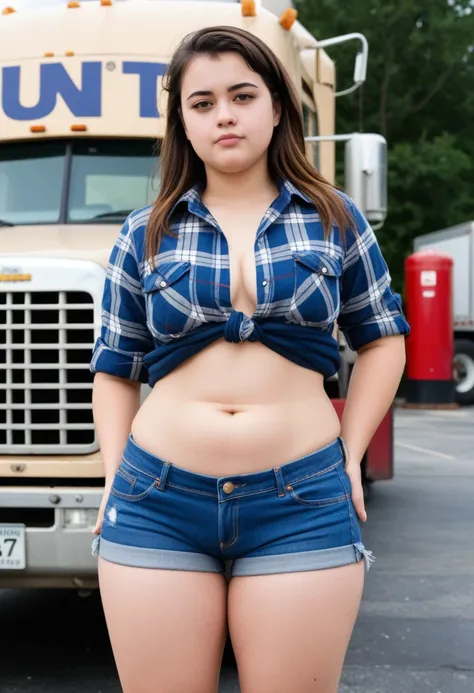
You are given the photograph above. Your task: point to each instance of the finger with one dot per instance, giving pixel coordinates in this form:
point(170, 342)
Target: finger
point(98, 526)
point(357, 492)
point(359, 505)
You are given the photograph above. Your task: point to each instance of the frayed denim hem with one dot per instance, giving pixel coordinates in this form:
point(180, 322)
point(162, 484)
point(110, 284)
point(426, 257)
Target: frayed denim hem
point(362, 552)
point(95, 546)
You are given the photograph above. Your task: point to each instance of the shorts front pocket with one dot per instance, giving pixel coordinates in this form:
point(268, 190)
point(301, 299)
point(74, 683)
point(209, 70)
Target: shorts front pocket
point(319, 489)
point(130, 484)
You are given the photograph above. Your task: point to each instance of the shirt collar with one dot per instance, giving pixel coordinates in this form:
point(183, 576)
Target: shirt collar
point(191, 197)
point(288, 190)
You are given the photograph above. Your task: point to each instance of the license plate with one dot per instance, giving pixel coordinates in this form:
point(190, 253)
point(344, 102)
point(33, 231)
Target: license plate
point(12, 547)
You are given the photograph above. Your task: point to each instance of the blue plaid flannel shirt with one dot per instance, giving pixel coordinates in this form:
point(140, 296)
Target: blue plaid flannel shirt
point(154, 320)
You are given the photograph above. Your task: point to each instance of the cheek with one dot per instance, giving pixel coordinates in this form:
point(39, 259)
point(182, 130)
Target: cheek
point(260, 130)
point(198, 134)
point(261, 121)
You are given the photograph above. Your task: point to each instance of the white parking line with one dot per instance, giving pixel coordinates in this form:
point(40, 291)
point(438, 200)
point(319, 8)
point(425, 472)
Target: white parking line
point(434, 453)
point(446, 414)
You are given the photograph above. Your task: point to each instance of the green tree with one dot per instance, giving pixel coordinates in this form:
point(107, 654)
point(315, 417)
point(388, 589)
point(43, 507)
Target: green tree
point(419, 94)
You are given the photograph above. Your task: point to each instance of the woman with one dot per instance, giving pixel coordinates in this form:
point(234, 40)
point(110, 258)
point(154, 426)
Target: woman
point(223, 297)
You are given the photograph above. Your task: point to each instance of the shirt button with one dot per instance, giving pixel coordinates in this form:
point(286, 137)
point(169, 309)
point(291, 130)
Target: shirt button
point(163, 284)
point(228, 487)
point(264, 283)
point(324, 270)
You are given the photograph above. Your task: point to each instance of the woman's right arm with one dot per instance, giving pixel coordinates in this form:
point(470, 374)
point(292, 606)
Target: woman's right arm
point(115, 402)
point(118, 356)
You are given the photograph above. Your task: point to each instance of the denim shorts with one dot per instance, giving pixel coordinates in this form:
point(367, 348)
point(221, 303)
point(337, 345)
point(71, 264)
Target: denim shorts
point(291, 518)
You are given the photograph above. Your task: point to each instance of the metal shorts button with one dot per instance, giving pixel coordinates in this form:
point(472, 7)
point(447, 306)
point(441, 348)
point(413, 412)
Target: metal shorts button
point(228, 487)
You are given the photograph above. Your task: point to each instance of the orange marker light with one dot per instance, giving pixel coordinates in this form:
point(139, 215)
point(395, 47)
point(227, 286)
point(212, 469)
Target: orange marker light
point(73, 5)
point(249, 8)
point(106, 3)
point(288, 18)
point(8, 10)
point(50, 54)
point(78, 128)
point(69, 54)
point(38, 128)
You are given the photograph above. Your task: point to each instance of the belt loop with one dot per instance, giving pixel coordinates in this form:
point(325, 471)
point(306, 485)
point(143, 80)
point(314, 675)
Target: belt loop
point(280, 481)
point(344, 450)
point(164, 474)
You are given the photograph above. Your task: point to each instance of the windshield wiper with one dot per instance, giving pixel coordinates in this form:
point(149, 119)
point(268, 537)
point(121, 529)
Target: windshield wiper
point(6, 223)
point(112, 215)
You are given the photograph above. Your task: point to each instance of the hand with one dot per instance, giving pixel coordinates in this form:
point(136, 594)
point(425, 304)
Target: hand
point(353, 471)
point(100, 515)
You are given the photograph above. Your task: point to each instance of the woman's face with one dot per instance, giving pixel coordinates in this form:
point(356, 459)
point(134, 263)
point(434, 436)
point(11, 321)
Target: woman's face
point(228, 113)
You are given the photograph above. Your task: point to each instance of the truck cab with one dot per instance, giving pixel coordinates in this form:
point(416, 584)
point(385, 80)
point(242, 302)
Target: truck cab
point(80, 129)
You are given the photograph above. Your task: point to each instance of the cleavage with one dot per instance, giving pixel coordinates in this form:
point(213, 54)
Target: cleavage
point(242, 268)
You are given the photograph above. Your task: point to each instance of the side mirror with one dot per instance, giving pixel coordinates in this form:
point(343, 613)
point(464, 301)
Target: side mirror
point(365, 170)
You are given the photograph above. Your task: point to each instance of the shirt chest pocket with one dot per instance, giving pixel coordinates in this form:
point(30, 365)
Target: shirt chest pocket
point(316, 292)
point(171, 310)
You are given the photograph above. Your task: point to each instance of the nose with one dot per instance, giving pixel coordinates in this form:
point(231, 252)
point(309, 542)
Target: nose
point(225, 117)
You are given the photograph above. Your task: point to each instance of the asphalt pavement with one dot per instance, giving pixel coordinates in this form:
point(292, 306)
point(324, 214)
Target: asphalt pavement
point(415, 631)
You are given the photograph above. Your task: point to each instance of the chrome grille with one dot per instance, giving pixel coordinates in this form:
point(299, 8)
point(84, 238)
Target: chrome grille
point(46, 341)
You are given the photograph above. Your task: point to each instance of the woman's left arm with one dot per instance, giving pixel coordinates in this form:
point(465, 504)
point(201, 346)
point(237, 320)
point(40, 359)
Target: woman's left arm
point(374, 326)
point(372, 387)
point(374, 382)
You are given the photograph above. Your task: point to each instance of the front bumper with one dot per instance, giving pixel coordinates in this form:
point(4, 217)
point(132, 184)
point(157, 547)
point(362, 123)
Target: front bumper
point(58, 555)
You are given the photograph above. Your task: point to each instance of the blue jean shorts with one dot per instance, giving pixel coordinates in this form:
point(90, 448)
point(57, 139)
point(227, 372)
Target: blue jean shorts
point(292, 518)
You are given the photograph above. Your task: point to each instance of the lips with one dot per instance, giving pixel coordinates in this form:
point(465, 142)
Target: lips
point(229, 136)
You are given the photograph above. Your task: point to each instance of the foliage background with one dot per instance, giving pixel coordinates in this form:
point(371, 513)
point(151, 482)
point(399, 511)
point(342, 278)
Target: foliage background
point(419, 95)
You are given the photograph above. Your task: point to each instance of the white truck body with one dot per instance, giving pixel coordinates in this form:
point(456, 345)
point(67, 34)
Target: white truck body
point(458, 242)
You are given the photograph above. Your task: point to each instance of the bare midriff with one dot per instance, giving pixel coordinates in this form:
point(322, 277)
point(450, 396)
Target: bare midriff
point(236, 408)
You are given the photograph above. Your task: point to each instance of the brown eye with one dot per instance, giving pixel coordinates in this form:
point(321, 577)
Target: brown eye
point(201, 105)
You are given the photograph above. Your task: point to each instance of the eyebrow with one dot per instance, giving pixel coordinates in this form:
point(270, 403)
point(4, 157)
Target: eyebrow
point(235, 87)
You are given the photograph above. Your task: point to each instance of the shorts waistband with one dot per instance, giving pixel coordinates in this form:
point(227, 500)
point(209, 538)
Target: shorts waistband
point(272, 479)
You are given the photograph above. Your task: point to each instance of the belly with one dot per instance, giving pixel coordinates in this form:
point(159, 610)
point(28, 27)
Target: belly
point(236, 408)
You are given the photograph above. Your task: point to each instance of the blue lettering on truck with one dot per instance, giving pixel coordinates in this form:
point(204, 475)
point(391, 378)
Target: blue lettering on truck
point(83, 101)
point(149, 73)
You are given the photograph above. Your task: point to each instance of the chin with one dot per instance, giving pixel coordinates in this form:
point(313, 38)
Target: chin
point(234, 164)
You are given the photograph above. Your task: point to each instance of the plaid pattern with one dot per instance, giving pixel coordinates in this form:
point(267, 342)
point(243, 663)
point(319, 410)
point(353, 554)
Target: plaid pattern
point(153, 320)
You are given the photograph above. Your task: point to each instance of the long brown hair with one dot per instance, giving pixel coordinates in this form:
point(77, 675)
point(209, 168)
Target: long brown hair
point(286, 154)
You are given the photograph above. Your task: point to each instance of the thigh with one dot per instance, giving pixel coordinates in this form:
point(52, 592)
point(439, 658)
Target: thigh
point(290, 631)
point(167, 627)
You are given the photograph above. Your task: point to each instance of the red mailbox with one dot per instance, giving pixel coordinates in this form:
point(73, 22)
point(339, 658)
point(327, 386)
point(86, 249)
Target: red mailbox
point(430, 344)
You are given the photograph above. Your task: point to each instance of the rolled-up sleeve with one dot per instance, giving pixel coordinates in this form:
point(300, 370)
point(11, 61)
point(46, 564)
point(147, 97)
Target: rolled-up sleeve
point(369, 309)
point(124, 339)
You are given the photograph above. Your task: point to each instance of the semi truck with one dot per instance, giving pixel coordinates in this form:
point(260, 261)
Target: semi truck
point(458, 242)
point(81, 120)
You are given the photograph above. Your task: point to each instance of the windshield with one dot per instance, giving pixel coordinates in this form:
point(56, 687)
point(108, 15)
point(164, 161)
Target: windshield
point(31, 182)
point(111, 178)
point(75, 182)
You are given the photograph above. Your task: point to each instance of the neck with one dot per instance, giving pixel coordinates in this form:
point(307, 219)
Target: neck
point(248, 186)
